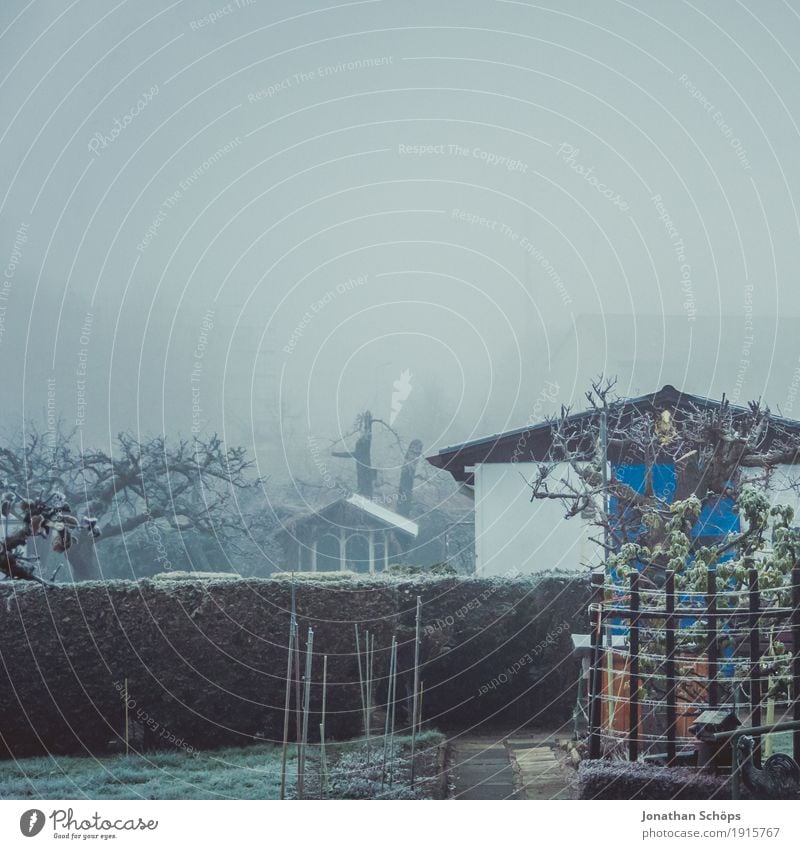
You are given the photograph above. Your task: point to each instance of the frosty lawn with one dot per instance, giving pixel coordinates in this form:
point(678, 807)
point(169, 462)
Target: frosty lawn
point(252, 772)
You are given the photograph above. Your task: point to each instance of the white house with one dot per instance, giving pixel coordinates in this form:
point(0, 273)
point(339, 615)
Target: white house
point(514, 533)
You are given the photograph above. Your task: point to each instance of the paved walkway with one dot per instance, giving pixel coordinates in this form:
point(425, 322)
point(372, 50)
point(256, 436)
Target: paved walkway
point(517, 767)
point(539, 771)
point(481, 769)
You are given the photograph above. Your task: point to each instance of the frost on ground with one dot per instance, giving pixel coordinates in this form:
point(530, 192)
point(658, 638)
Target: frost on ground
point(252, 772)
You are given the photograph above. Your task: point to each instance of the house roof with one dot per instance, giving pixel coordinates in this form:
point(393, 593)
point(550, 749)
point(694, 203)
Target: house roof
point(375, 511)
point(531, 443)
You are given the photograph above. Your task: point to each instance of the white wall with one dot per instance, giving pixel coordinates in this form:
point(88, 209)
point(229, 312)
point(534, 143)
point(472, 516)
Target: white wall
point(511, 532)
point(780, 489)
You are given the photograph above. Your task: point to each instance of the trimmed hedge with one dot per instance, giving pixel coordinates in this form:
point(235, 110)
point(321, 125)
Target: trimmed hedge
point(605, 779)
point(205, 659)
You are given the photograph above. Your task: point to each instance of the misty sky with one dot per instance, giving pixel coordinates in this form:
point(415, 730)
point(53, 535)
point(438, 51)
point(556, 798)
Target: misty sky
point(254, 217)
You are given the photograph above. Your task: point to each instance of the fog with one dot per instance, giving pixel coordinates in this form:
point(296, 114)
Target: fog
point(253, 218)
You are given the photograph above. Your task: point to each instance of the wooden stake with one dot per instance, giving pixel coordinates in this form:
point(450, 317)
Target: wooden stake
point(301, 760)
point(127, 723)
point(287, 707)
point(323, 753)
point(361, 681)
point(370, 660)
point(415, 701)
point(366, 689)
point(389, 703)
point(394, 707)
point(371, 690)
point(297, 700)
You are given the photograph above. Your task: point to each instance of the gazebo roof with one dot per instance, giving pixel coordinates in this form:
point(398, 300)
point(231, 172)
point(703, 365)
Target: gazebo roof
point(382, 514)
point(370, 509)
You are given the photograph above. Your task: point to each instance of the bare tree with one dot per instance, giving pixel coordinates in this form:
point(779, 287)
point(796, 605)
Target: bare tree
point(367, 473)
point(185, 484)
point(709, 445)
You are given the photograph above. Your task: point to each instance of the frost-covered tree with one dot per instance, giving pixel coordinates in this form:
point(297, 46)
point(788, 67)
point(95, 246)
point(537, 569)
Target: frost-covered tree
point(49, 517)
point(724, 459)
point(186, 485)
point(716, 452)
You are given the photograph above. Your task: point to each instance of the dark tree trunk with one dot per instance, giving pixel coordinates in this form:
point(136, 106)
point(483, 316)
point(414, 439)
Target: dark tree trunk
point(82, 559)
point(405, 493)
point(362, 454)
point(193, 544)
point(365, 474)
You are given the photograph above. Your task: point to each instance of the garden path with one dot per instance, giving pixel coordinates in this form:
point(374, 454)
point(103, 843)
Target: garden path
point(514, 767)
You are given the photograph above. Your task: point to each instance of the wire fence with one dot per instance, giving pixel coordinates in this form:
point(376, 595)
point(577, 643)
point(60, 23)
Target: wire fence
point(700, 650)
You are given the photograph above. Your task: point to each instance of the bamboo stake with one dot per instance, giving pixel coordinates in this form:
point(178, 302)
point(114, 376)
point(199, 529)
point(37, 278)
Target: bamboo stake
point(394, 708)
point(366, 686)
point(301, 760)
point(297, 700)
point(370, 669)
point(389, 703)
point(323, 753)
point(361, 680)
point(287, 707)
point(371, 690)
point(415, 700)
point(127, 723)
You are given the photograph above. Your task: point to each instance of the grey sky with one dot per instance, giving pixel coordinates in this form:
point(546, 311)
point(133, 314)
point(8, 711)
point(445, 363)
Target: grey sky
point(490, 194)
